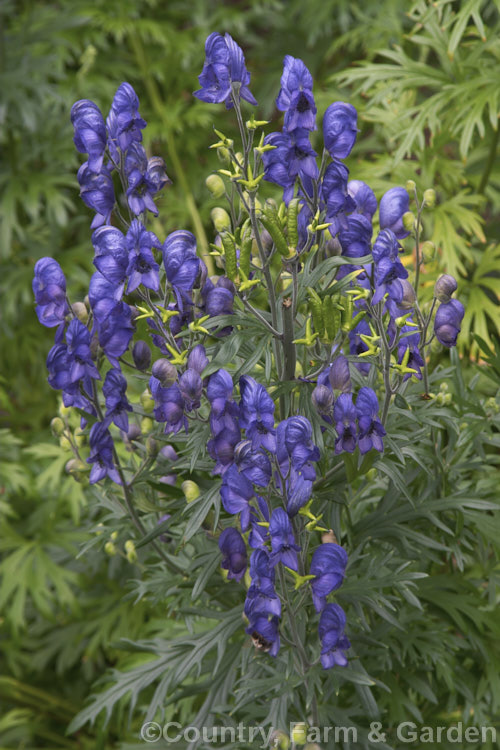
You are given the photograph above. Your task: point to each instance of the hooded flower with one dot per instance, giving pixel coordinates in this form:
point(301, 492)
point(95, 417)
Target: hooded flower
point(265, 634)
point(261, 596)
point(295, 97)
point(182, 265)
point(257, 414)
point(101, 454)
point(90, 132)
point(340, 129)
point(169, 406)
point(97, 192)
point(125, 123)
point(224, 72)
point(234, 553)
point(371, 430)
point(447, 322)
point(328, 564)
point(284, 549)
point(49, 288)
point(117, 405)
point(333, 641)
point(364, 198)
point(344, 416)
point(393, 205)
point(236, 492)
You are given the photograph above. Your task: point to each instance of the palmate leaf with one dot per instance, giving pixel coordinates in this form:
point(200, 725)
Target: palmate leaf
point(482, 308)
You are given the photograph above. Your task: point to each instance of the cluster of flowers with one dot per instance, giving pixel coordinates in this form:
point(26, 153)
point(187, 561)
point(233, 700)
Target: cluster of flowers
point(280, 459)
point(335, 381)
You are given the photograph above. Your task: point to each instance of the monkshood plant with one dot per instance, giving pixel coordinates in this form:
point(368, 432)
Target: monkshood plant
point(256, 419)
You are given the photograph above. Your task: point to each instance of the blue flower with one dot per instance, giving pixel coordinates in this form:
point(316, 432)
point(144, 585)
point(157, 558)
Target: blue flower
point(276, 163)
point(224, 73)
point(322, 398)
point(295, 97)
point(58, 367)
point(364, 198)
point(191, 387)
point(331, 632)
point(254, 465)
point(388, 275)
point(169, 406)
point(257, 414)
point(371, 430)
point(236, 492)
point(344, 416)
point(97, 192)
point(284, 549)
point(340, 129)
point(49, 288)
point(444, 287)
point(145, 178)
point(294, 438)
point(339, 375)
point(234, 552)
point(111, 257)
point(117, 405)
point(79, 356)
point(447, 322)
point(182, 265)
point(90, 132)
point(197, 359)
point(265, 634)
point(328, 564)
point(143, 270)
point(386, 246)
point(334, 190)
point(101, 454)
point(261, 596)
point(222, 445)
point(355, 236)
point(393, 204)
point(125, 121)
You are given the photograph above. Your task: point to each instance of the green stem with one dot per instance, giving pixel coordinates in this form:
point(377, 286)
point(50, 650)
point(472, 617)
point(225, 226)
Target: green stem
point(489, 162)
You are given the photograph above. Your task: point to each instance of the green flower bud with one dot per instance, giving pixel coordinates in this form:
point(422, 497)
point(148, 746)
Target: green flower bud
point(216, 185)
point(409, 221)
point(429, 198)
point(147, 425)
point(147, 401)
point(64, 443)
point(279, 740)
point(57, 426)
point(444, 386)
point(410, 186)
point(224, 155)
point(114, 536)
point(130, 550)
point(447, 399)
point(428, 250)
point(299, 733)
point(492, 404)
point(152, 447)
point(191, 490)
point(81, 312)
point(110, 549)
point(371, 474)
point(64, 411)
point(221, 219)
point(77, 469)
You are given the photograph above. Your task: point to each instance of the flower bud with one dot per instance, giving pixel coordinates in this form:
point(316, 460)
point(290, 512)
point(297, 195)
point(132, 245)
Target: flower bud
point(134, 432)
point(165, 371)
point(191, 490)
point(299, 733)
point(221, 219)
point(77, 469)
point(110, 549)
point(169, 453)
point(147, 401)
point(80, 311)
point(429, 198)
point(80, 437)
point(64, 411)
point(371, 474)
point(216, 185)
point(333, 247)
point(339, 375)
point(279, 740)
point(147, 425)
point(267, 242)
point(141, 355)
point(410, 186)
point(57, 426)
point(64, 443)
point(114, 536)
point(130, 550)
point(322, 398)
point(224, 155)
point(428, 250)
point(409, 221)
point(152, 447)
point(444, 287)
point(408, 299)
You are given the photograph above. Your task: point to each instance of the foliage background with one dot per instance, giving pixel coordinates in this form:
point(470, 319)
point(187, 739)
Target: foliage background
point(424, 77)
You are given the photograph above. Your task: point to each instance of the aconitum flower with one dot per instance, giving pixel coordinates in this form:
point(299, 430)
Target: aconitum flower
point(333, 641)
point(393, 205)
point(371, 429)
point(265, 634)
point(335, 195)
point(236, 492)
point(143, 270)
point(254, 465)
point(261, 596)
point(339, 375)
point(125, 124)
point(328, 564)
point(322, 398)
point(276, 163)
point(257, 414)
point(364, 198)
point(79, 355)
point(182, 265)
point(344, 416)
point(58, 367)
point(224, 73)
point(90, 132)
point(388, 276)
point(355, 236)
point(191, 387)
point(111, 256)
point(145, 178)
point(295, 97)
point(447, 322)
point(101, 454)
point(410, 340)
point(197, 359)
point(299, 486)
point(169, 406)
point(340, 127)
point(97, 192)
point(117, 405)
point(234, 552)
point(49, 288)
point(386, 246)
point(141, 354)
point(284, 549)
point(294, 439)
point(444, 287)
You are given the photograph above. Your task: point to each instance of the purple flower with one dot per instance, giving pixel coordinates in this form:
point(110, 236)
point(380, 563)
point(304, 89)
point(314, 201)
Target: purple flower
point(49, 288)
point(257, 414)
point(410, 339)
point(344, 416)
point(386, 246)
point(101, 454)
point(334, 190)
point(145, 178)
point(111, 257)
point(371, 430)
point(276, 163)
point(236, 492)
point(222, 445)
point(58, 367)
point(97, 192)
point(340, 127)
point(197, 359)
point(355, 236)
point(294, 438)
point(364, 198)
point(284, 549)
point(90, 132)
point(191, 387)
point(322, 398)
point(295, 97)
point(141, 354)
point(444, 287)
point(182, 265)
point(117, 405)
point(388, 275)
point(234, 552)
point(79, 356)
point(219, 391)
point(447, 322)
point(261, 598)
point(125, 123)
point(328, 564)
point(143, 270)
point(254, 465)
point(393, 205)
point(265, 634)
point(333, 641)
point(224, 73)
point(299, 488)
point(169, 406)
point(339, 375)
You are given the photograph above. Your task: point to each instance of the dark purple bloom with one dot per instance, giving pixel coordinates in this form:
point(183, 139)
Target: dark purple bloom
point(386, 246)
point(284, 549)
point(447, 322)
point(328, 564)
point(234, 552)
point(294, 438)
point(299, 486)
point(191, 387)
point(141, 354)
point(197, 359)
point(49, 288)
point(125, 120)
point(169, 406)
point(236, 492)
point(97, 192)
point(145, 178)
point(58, 367)
point(224, 72)
point(90, 132)
point(388, 275)
point(79, 355)
point(371, 430)
point(221, 447)
point(322, 398)
point(333, 641)
point(302, 156)
point(444, 287)
point(165, 371)
point(364, 198)
point(340, 127)
point(143, 269)
point(117, 405)
point(182, 265)
point(393, 205)
point(295, 97)
point(111, 257)
point(355, 236)
point(261, 596)
point(138, 238)
point(335, 195)
point(219, 299)
point(265, 634)
point(339, 375)
point(220, 391)
point(344, 416)
point(101, 454)
point(276, 162)
point(257, 414)
point(254, 465)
